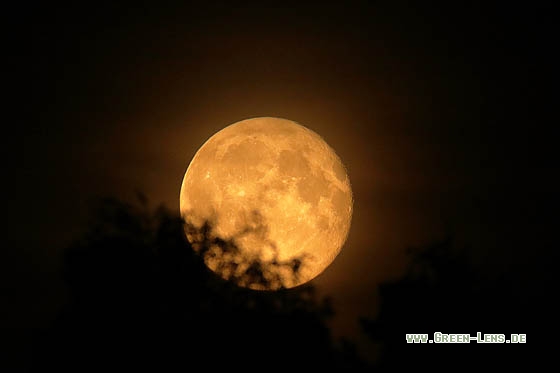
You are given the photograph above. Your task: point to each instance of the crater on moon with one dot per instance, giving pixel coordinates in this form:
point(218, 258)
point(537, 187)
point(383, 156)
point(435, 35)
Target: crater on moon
point(267, 203)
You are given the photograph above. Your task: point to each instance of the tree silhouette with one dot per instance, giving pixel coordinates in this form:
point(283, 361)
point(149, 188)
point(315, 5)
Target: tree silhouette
point(140, 298)
point(442, 291)
point(249, 269)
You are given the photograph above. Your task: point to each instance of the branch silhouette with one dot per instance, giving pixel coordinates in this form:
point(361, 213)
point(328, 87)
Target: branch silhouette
point(226, 258)
point(443, 291)
point(141, 298)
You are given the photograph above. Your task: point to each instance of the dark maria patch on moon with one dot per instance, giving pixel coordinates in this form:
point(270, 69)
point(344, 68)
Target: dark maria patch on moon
point(340, 202)
point(338, 170)
point(310, 188)
point(293, 164)
point(247, 152)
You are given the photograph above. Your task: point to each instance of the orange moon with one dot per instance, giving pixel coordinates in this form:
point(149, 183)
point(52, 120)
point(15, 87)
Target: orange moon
point(276, 192)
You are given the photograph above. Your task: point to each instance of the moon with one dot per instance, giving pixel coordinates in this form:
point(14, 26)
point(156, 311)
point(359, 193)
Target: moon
point(267, 202)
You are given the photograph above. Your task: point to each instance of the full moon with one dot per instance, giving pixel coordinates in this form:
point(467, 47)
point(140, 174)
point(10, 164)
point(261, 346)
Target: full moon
point(267, 202)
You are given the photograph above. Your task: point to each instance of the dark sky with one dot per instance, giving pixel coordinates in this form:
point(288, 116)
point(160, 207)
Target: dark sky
point(438, 112)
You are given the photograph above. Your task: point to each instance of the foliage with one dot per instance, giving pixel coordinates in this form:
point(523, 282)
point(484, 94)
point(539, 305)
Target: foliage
point(253, 270)
point(443, 291)
point(140, 298)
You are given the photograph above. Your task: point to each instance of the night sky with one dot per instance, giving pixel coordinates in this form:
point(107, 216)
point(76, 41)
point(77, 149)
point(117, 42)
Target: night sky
point(438, 112)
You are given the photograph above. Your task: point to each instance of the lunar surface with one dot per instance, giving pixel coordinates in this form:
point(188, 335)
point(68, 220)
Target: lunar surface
point(271, 193)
